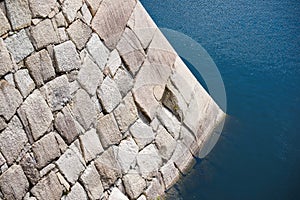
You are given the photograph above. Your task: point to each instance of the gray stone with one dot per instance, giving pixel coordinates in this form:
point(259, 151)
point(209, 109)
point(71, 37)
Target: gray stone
point(98, 50)
point(189, 140)
point(19, 45)
point(77, 193)
point(71, 164)
point(108, 131)
point(4, 24)
point(170, 122)
point(57, 92)
point(13, 183)
point(70, 8)
point(6, 64)
point(170, 174)
point(142, 133)
point(155, 124)
point(90, 76)
point(182, 157)
point(127, 153)
point(131, 51)
point(12, 140)
point(116, 194)
point(124, 81)
point(90, 145)
point(62, 34)
point(109, 94)
point(35, 115)
point(24, 82)
point(43, 34)
point(142, 197)
point(114, 61)
point(18, 13)
point(10, 79)
point(93, 5)
point(156, 189)
point(10, 99)
point(79, 33)
point(48, 188)
point(46, 150)
point(111, 21)
point(149, 161)
point(83, 109)
point(3, 124)
point(28, 164)
point(165, 143)
point(91, 182)
point(63, 182)
point(47, 169)
point(40, 67)
point(41, 8)
point(86, 15)
point(66, 57)
point(126, 113)
point(60, 20)
point(134, 184)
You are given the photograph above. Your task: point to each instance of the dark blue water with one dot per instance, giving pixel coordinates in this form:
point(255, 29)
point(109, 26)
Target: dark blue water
point(256, 46)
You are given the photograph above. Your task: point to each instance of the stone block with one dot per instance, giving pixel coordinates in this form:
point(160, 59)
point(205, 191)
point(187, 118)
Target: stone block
point(18, 13)
point(155, 189)
point(4, 24)
point(127, 153)
point(79, 33)
point(124, 81)
point(182, 157)
point(70, 8)
point(165, 143)
point(114, 62)
point(142, 133)
point(6, 64)
point(28, 164)
point(117, 194)
point(93, 5)
point(24, 82)
point(170, 174)
point(41, 8)
point(169, 121)
point(134, 184)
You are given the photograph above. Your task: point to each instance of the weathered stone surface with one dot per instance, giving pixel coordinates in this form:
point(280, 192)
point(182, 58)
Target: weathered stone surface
point(41, 8)
point(165, 143)
point(108, 168)
point(62, 34)
point(60, 20)
point(63, 182)
point(117, 194)
point(111, 21)
point(127, 153)
point(98, 50)
point(6, 64)
point(131, 51)
point(93, 5)
point(170, 122)
point(18, 13)
point(83, 109)
point(66, 57)
point(109, 94)
point(71, 164)
point(86, 14)
point(79, 33)
point(91, 182)
point(12, 140)
point(4, 24)
point(46, 150)
point(35, 115)
point(189, 140)
point(134, 184)
point(66, 125)
point(90, 76)
point(28, 164)
point(142, 133)
point(170, 174)
point(46, 169)
point(182, 157)
point(48, 188)
point(40, 67)
point(77, 193)
point(57, 92)
point(149, 161)
point(19, 45)
point(13, 183)
point(70, 8)
point(108, 131)
point(43, 34)
point(24, 82)
point(142, 197)
point(90, 145)
point(114, 61)
point(126, 113)
point(3, 124)
point(10, 99)
point(124, 81)
point(155, 189)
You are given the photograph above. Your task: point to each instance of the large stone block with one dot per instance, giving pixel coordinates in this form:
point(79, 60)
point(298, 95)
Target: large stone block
point(28, 164)
point(114, 62)
point(169, 121)
point(155, 189)
point(41, 8)
point(124, 81)
point(18, 13)
point(24, 82)
point(79, 33)
point(134, 184)
point(70, 8)
point(182, 157)
point(4, 24)
point(127, 153)
point(142, 133)
point(170, 174)
point(6, 64)
point(165, 143)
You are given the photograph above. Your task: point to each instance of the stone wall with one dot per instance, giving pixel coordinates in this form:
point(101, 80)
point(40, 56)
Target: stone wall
point(94, 103)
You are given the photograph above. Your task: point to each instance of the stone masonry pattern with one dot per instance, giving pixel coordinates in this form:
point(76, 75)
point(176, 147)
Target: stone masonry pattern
point(94, 103)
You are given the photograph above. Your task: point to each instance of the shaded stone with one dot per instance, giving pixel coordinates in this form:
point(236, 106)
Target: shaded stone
point(97, 50)
point(19, 45)
point(43, 34)
point(149, 161)
point(35, 115)
point(126, 113)
point(108, 168)
point(10, 99)
point(124, 81)
point(46, 150)
point(48, 188)
point(83, 109)
point(18, 13)
point(117, 194)
point(142, 133)
point(89, 76)
point(70, 8)
point(71, 164)
point(6, 64)
point(114, 62)
point(41, 8)
point(60, 20)
point(131, 51)
point(66, 57)
point(90, 145)
point(91, 182)
point(155, 190)
point(28, 164)
point(47, 169)
point(77, 193)
point(108, 131)
point(170, 174)
point(189, 140)
point(109, 94)
point(24, 82)
point(127, 153)
point(165, 143)
point(86, 15)
point(111, 21)
point(169, 121)
point(13, 183)
point(57, 92)
point(4, 24)
point(12, 140)
point(182, 157)
point(3, 124)
point(79, 33)
point(93, 5)
point(134, 184)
